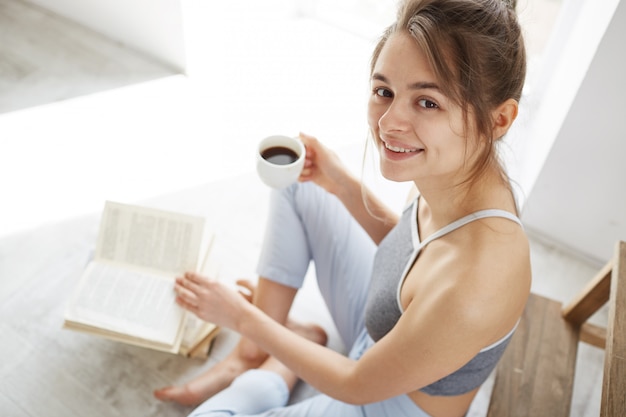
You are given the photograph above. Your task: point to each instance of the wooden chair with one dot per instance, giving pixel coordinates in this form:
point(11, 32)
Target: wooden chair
point(536, 374)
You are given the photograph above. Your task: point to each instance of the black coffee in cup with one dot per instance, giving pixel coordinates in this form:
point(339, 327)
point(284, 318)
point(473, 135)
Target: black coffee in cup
point(279, 155)
point(279, 160)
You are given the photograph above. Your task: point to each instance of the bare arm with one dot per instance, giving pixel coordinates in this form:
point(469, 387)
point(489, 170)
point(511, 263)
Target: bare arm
point(434, 337)
point(323, 167)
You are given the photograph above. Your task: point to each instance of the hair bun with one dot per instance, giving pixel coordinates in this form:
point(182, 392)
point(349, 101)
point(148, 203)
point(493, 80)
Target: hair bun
point(511, 4)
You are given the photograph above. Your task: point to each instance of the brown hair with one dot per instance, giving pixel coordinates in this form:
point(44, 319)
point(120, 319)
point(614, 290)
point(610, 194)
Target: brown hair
point(476, 50)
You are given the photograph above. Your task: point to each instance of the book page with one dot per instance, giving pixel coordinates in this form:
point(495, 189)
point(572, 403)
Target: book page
point(196, 330)
point(129, 301)
point(155, 239)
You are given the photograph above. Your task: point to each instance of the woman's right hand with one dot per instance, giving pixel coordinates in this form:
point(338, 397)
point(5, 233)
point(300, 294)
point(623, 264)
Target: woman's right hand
point(322, 166)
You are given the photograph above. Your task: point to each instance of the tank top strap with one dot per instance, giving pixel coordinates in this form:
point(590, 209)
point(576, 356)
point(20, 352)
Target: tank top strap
point(468, 219)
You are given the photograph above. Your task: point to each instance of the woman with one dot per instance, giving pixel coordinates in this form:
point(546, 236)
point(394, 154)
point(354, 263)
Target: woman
point(449, 278)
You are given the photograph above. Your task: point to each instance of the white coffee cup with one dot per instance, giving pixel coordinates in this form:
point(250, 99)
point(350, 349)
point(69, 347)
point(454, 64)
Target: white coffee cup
point(279, 160)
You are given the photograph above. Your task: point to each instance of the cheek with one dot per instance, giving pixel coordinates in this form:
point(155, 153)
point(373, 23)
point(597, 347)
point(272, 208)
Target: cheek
point(373, 116)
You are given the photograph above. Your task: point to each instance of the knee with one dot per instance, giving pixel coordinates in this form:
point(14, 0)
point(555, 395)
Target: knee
point(251, 354)
point(253, 392)
point(219, 413)
point(296, 193)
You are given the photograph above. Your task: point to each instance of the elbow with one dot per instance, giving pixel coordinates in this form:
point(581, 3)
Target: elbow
point(357, 392)
point(359, 398)
point(351, 386)
point(356, 400)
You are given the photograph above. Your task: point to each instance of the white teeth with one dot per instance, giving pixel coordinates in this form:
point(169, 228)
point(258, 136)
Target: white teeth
point(399, 150)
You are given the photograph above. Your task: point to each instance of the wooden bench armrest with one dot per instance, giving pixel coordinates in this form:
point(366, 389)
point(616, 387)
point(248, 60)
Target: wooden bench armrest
point(591, 298)
point(593, 334)
point(613, 402)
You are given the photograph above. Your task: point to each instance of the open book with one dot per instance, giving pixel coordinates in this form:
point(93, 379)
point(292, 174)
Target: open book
point(126, 293)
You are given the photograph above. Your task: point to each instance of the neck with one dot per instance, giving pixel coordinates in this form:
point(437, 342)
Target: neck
point(446, 203)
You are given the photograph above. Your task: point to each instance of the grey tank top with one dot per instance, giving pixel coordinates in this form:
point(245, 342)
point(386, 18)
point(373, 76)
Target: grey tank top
point(394, 258)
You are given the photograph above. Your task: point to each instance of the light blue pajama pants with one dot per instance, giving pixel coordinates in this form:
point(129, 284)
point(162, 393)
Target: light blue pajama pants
point(307, 223)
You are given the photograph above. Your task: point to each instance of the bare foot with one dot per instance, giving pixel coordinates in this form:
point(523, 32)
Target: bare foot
point(245, 356)
point(216, 378)
point(310, 331)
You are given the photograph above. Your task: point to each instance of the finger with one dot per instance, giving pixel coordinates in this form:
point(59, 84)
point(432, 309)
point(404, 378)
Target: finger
point(186, 305)
point(188, 283)
point(186, 294)
point(195, 278)
point(180, 281)
point(306, 138)
point(246, 289)
point(308, 142)
point(306, 174)
point(246, 296)
point(246, 284)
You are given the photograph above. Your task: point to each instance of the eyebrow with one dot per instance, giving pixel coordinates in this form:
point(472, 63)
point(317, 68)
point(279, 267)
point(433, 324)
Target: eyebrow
point(420, 85)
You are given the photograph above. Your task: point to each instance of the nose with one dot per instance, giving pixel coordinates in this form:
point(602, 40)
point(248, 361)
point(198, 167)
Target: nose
point(396, 118)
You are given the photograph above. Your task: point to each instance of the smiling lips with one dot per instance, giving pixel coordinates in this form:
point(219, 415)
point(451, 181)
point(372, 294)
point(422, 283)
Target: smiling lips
point(398, 149)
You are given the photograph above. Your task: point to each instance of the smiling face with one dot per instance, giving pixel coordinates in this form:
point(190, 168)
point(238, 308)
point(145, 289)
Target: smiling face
point(418, 131)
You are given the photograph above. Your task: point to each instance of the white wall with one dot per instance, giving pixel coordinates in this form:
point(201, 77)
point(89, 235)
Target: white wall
point(577, 183)
point(153, 27)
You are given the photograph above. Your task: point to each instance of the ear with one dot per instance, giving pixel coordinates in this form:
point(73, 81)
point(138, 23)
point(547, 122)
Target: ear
point(503, 117)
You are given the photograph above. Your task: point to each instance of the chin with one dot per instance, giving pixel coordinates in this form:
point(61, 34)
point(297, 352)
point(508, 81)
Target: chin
point(394, 174)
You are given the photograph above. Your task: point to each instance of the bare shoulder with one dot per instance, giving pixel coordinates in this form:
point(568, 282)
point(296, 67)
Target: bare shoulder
point(492, 273)
point(479, 277)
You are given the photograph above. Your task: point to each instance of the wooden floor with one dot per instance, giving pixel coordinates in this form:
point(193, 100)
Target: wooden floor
point(35, 69)
point(47, 371)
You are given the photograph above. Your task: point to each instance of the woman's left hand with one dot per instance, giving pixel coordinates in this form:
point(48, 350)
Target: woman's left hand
point(209, 300)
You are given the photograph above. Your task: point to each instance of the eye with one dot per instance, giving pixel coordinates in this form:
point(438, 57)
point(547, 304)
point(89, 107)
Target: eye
point(427, 104)
point(383, 92)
